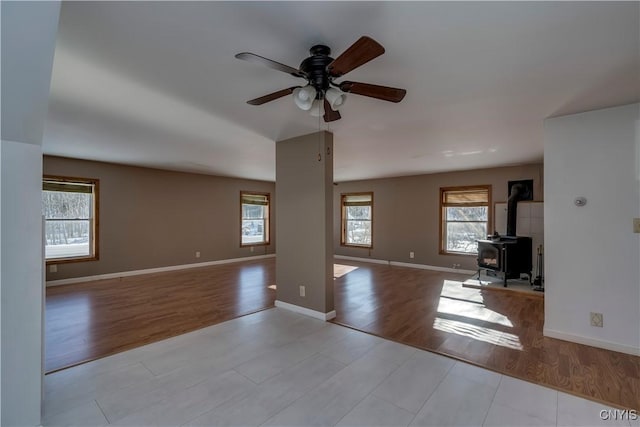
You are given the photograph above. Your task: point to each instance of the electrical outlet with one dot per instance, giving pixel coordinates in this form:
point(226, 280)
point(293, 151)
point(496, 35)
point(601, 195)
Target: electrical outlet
point(302, 291)
point(53, 268)
point(197, 254)
point(636, 225)
point(596, 320)
point(411, 255)
point(251, 249)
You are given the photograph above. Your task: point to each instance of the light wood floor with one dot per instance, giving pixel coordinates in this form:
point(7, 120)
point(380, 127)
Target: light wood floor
point(501, 331)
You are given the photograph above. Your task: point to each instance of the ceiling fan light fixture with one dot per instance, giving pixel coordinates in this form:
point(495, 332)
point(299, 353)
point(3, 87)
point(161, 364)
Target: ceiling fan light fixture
point(317, 109)
point(320, 95)
point(304, 97)
point(336, 98)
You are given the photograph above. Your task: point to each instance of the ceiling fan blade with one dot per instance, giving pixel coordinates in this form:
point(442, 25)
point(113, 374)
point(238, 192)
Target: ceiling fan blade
point(359, 53)
point(272, 96)
point(252, 57)
point(330, 115)
point(385, 93)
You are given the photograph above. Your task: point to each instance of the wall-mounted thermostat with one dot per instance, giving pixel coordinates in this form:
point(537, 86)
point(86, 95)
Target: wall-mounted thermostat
point(580, 201)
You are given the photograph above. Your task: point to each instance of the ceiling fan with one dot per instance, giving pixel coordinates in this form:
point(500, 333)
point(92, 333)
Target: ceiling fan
point(322, 95)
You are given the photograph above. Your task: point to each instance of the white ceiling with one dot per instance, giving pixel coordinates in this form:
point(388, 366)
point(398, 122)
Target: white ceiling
point(157, 84)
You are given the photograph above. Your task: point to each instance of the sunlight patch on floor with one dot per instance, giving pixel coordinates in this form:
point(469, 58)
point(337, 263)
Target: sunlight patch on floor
point(472, 310)
point(479, 333)
point(454, 289)
point(340, 270)
point(460, 302)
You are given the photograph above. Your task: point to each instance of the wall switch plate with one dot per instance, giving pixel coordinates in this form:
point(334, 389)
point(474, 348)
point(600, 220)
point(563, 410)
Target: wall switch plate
point(53, 268)
point(596, 320)
point(302, 291)
point(636, 225)
point(411, 255)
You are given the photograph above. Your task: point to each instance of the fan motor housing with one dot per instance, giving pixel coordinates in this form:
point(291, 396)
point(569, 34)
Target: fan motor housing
point(320, 70)
point(315, 66)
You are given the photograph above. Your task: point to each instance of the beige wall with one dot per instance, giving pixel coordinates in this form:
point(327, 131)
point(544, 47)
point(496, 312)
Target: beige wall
point(153, 218)
point(137, 202)
point(406, 212)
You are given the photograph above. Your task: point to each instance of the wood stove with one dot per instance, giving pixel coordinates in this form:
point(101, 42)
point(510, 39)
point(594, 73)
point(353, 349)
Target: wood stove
point(509, 255)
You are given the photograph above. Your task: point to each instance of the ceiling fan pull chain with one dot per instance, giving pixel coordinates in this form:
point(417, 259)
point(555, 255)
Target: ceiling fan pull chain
point(319, 70)
point(319, 137)
point(328, 130)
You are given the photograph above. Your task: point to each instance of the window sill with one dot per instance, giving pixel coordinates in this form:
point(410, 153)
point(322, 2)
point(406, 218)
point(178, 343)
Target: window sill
point(346, 245)
point(458, 253)
point(71, 260)
point(248, 245)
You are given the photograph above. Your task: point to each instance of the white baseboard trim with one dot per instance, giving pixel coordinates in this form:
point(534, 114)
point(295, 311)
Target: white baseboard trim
point(152, 270)
point(431, 267)
point(306, 311)
point(73, 280)
point(370, 260)
point(607, 345)
point(406, 264)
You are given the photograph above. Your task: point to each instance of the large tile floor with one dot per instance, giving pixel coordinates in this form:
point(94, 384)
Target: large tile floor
point(278, 368)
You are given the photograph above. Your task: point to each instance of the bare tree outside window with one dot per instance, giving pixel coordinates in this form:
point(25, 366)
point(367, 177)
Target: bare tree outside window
point(357, 219)
point(465, 218)
point(68, 208)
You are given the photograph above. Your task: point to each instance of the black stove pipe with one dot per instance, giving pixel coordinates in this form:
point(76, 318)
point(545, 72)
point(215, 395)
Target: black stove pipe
point(518, 192)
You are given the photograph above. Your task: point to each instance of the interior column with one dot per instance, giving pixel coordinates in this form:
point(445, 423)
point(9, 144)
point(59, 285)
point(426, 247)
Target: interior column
point(304, 224)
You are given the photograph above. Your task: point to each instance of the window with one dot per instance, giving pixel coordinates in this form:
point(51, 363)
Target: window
point(464, 218)
point(254, 213)
point(70, 210)
point(357, 219)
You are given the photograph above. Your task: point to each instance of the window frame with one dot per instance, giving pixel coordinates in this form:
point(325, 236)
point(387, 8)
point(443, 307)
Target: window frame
point(267, 220)
point(343, 220)
point(443, 221)
point(94, 219)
